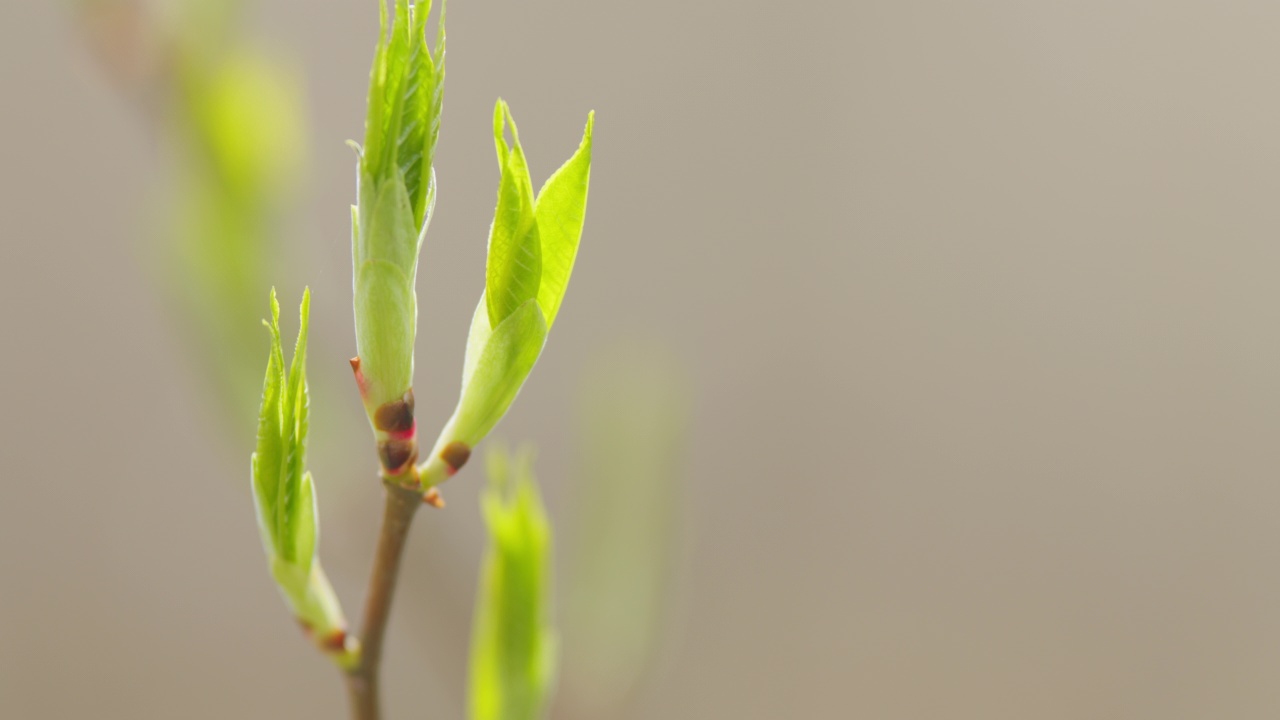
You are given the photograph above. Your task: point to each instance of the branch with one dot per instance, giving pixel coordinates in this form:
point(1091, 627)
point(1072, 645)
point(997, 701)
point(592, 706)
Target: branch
point(362, 679)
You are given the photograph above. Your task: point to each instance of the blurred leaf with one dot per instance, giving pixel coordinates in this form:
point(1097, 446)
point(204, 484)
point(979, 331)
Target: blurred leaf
point(624, 525)
point(235, 121)
point(246, 112)
point(513, 646)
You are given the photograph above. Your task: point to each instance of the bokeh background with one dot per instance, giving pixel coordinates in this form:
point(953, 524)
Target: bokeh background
point(921, 359)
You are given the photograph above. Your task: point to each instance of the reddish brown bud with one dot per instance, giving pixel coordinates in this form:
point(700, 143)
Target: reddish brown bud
point(355, 365)
point(335, 641)
point(395, 416)
point(396, 454)
point(455, 455)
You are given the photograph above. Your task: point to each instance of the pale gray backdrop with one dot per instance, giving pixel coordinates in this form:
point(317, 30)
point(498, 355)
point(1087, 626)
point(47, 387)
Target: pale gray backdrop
point(979, 300)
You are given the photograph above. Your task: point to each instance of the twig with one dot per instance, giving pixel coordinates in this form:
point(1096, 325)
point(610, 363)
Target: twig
point(362, 679)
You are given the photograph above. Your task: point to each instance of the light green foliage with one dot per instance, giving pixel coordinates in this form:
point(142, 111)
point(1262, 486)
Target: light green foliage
point(513, 644)
point(396, 196)
point(514, 266)
point(561, 208)
point(247, 119)
point(533, 243)
point(624, 523)
point(405, 97)
point(283, 492)
point(496, 367)
point(532, 247)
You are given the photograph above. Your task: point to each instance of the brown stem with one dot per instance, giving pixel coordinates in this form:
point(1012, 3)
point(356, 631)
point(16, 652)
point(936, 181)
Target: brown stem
point(362, 680)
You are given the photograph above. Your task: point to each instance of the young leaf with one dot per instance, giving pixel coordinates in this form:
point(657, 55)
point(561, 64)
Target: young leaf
point(477, 338)
point(395, 197)
point(406, 91)
point(513, 643)
point(386, 302)
point(500, 372)
point(423, 93)
point(532, 247)
point(267, 459)
point(284, 493)
point(514, 267)
point(560, 209)
point(497, 374)
point(295, 424)
point(389, 233)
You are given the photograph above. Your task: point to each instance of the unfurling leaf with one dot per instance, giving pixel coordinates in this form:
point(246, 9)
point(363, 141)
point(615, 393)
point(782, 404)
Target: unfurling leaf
point(533, 244)
point(284, 493)
point(514, 267)
point(395, 198)
point(500, 366)
point(513, 642)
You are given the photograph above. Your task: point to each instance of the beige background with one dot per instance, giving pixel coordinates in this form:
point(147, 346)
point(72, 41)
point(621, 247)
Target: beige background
point(980, 301)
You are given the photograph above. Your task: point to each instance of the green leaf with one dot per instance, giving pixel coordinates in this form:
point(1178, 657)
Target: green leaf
point(497, 364)
point(267, 459)
point(306, 531)
point(296, 422)
point(561, 208)
point(355, 237)
point(279, 463)
point(389, 230)
point(423, 95)
point(500, 371)
point(396, 196)
point(386, 309)
point(513, 644)
point(524, 265)
point(514, 267)
point(284, 492)
point(405, 99)
point(477, 338)
point(425, 219)
point(376, 115)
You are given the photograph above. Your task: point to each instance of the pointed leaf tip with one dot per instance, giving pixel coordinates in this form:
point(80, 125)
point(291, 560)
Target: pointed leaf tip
point(561, 209)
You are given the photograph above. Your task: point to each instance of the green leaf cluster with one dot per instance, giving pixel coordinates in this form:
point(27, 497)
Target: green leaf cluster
point(283, 491)
point(533, 244)
point(513, 644)
point(396, 195)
